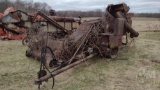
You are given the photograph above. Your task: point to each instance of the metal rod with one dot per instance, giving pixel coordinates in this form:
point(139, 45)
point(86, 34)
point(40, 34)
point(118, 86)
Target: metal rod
point(53, 22)
point(37, 81)
point(83, 40)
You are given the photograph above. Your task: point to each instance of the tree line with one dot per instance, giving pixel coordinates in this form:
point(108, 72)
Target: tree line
point(99, 13)
point(27, 6)
point(33, 7)
point(154, 15)
point(94, 13)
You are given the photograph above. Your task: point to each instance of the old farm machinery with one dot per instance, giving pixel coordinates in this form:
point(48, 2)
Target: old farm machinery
point(95, 37)
point(18, 24)
point(62, 43)
point(9, 29)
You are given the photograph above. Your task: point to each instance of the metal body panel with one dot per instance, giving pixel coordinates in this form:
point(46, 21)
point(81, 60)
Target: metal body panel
point(118, 26)
point(8, 19)
point(113, 41)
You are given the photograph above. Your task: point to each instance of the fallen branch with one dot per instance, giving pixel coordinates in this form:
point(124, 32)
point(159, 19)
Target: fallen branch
point(157, 61)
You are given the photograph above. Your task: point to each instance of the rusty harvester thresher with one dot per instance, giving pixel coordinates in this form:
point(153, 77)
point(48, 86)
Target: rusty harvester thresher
point(61, 46)
point(95, 37)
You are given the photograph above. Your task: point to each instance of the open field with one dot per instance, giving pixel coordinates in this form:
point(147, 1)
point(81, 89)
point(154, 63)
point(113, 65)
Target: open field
point(133, 69)
point(145, 23)
point(140, 23)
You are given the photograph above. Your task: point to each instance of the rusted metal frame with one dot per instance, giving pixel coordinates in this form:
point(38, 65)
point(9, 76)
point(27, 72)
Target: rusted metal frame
point(53, 22)
point(95, 44)
point(62, 19)
point(92, 28)
point(85, 43)
point(80, 45)
point(37, 81)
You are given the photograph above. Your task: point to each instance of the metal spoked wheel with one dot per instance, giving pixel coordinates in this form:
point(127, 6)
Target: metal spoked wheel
point(25, 41)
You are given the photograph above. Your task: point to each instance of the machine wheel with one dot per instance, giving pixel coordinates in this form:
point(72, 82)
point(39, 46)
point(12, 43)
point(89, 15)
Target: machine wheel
point(25, 41)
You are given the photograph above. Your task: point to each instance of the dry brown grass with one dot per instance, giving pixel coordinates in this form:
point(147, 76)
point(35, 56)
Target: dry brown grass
point(131, 70)
point(145, 23)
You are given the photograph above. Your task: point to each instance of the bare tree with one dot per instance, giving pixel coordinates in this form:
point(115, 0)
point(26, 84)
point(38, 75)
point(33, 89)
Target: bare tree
point(27, 6)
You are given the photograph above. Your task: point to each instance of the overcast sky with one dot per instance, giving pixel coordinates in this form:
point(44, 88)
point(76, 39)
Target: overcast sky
point(135, 5)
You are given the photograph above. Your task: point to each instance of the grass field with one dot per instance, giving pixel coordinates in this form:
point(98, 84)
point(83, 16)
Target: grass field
point(131, 70)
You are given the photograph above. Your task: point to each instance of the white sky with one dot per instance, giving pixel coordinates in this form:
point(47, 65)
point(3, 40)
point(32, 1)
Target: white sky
point(84, 5)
